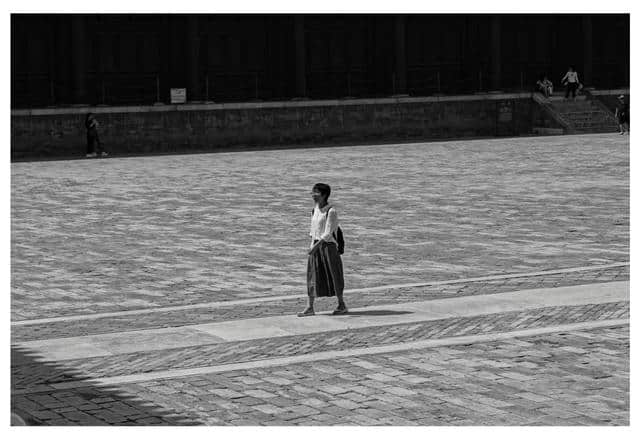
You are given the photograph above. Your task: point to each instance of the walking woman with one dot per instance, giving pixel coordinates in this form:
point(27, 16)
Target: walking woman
point(91, 124)
point(324, 266)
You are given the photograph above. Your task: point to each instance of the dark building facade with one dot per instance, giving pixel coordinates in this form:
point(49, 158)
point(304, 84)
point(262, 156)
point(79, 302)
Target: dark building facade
point(63, 59)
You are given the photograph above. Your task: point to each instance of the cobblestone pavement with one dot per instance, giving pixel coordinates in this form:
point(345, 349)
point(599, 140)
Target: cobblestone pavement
point(577, 378)
point(99, 236)
point(115, 234)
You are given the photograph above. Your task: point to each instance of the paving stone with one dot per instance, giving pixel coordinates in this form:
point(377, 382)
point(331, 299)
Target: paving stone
point(259, 394)
point(44, 415)
point(355, 397)
point(346, 404)
point(268, 409)
point(304, 410)
point(64, 409)
point(109, 416)
point(333, 389)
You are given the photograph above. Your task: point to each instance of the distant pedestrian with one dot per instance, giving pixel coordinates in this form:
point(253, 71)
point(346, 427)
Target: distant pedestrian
point(324, 265)
point(622, 114)
point(93, 140)
point(571, 81)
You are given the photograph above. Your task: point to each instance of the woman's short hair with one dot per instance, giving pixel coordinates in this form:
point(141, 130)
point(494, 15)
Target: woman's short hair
point(323, 189)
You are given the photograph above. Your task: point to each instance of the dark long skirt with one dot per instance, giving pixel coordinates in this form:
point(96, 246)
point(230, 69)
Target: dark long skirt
point(324, 271)
point(92, 141)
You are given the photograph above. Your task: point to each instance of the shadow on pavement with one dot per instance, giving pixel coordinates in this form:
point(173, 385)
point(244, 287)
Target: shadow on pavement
point(48, 393)
point(377, 313)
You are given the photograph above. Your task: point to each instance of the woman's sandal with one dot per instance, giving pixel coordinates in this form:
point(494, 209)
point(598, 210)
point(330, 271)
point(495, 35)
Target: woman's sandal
point(340, 311)
point(307, 312)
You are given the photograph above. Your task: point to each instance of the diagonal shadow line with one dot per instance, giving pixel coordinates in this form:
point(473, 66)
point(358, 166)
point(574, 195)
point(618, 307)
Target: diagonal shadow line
point(39, 403)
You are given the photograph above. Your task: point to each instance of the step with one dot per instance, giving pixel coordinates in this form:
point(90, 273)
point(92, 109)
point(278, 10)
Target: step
point(547, 131)
point(587, 115)
point(587, 112)
point(587, 119)
point(559, 97)
point(576, 108)
point(594, 129)
point(590, 119)
point(597, 129)
point(593, 123)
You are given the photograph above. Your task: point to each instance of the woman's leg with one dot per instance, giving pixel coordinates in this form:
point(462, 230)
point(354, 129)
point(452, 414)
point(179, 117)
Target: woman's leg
point(337, 276)
point(308, 311)
point(624, 127)
point(99, 148)
point(89, 144)
point(311, 288)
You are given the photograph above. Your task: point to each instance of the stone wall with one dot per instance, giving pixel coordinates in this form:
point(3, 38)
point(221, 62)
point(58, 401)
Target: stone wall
point(56, 133)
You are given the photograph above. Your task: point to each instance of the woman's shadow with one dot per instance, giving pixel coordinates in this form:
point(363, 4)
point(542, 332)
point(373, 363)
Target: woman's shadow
point(376, 313)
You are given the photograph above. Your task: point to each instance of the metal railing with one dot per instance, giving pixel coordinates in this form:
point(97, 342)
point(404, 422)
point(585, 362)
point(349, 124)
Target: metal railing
point(446, 79)
point(41, 90)
point(218, 86)
point(124, 88)
point(340, 84)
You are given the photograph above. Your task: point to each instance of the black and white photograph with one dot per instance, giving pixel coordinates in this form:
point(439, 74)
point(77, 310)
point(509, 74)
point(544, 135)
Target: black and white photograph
point(319, 217)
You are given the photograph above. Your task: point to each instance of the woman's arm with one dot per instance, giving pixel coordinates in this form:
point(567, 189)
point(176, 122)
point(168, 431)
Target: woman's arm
point(314, 247)
point(331, 225)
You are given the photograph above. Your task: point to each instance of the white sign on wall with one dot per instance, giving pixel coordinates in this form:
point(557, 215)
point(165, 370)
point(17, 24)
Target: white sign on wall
point(178, 95)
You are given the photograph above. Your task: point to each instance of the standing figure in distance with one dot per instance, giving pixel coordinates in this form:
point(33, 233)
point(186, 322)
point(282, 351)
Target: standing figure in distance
point(91, 124)
point(571, 81)
point(324, 266)
point(622, 114)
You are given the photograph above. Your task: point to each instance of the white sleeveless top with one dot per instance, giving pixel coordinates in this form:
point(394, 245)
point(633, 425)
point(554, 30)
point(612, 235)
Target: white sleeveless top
point(571, 77)
point(324, 225)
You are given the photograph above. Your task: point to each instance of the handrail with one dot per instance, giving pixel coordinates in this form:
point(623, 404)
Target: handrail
point(546, 107)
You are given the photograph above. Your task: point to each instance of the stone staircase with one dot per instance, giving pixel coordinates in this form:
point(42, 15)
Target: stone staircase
point(584, 115)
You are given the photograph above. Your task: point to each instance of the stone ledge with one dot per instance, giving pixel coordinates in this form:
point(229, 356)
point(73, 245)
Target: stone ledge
point(264, 105)
point(624, 91)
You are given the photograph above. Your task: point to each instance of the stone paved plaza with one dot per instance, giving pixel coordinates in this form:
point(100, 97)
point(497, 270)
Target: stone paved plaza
point(487, 282)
